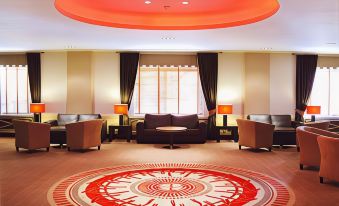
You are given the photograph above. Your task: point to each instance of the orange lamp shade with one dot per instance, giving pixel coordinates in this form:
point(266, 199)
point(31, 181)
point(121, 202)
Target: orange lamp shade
point(225, 109)
point(121, 109)
point(313, 109)
point(37, 107)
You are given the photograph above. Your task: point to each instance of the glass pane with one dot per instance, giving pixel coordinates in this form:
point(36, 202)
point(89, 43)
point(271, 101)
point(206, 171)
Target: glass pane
point(11, 90)
point(3, 89)
point(320, 91)
point(189, 90)
point(148, 90)
point(334, 95)
point(169, 90)
point(22, 90)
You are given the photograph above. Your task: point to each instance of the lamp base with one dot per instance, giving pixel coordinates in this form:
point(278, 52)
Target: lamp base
point(225, 120)
point(313, 118)
point(37, 117)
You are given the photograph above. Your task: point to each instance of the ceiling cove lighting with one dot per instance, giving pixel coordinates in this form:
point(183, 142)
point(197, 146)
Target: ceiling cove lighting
point(169, 14)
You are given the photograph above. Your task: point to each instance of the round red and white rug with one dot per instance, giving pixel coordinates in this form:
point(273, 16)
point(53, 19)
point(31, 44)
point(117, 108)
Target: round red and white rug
point(170, 184)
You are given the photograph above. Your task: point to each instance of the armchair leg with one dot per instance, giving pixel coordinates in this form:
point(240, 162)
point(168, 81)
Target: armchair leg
point(17, 149)
point(298, 149)
point(301, 166)
point(270, 149)
point(68, 148)
point(98, 147)
point(47, 149)
point(239, 147)
point(321, 180)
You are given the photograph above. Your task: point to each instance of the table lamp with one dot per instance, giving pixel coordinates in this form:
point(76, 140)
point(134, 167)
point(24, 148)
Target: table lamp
point(37, 109)
point(313, 110)
point(121, 109)
point(225, 110)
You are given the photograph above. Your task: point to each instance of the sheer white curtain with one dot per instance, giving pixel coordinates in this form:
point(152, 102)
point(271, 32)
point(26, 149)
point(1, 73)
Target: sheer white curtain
point(325, 91)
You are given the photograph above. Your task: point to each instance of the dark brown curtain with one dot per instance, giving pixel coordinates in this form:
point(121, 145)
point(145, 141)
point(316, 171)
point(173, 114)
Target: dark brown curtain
point(306, 69)
point(128, 73)
point(208, 69)
point(34, 75)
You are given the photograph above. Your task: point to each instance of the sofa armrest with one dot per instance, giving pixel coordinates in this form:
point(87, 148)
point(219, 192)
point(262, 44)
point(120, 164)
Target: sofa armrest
point(53, 123)
point(140, 128)
point(203, 129)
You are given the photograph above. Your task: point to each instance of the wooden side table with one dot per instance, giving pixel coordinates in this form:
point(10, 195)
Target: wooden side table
point(233, 130)
point(120, 131)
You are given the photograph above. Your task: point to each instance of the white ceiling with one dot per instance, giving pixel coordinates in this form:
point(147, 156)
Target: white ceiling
point(299, 26)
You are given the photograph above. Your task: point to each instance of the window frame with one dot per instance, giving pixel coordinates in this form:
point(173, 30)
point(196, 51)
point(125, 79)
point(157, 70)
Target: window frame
point(329, 94)
point(6, 68)
point(158, 68)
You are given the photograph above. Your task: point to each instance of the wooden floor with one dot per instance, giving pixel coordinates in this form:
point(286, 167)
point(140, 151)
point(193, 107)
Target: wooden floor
point(26, 177)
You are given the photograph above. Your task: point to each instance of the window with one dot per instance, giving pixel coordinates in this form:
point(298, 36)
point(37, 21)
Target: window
point(168, 89)
point(325, 91)
point(14, 90)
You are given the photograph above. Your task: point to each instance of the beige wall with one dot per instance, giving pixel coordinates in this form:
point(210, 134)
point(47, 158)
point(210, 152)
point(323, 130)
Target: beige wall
point(257, 84)
point(328, 61)
point(13, 59)
point(282, 83)
point(79, 83)
point(106, 71)
point(231, 84)
point(88, 82)
point(54, 81)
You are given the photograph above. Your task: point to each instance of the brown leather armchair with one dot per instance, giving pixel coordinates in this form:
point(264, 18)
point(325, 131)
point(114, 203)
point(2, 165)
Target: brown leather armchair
point(83, 135)
point(255, 134)
point(31, 135)
point(329, 150)
point(309, 149)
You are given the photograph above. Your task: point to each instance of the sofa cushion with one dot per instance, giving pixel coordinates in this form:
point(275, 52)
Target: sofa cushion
point(188, 121)
point(84, 117)
point(153, 121)
point(64, 119)
point(265, 118)
point(281, 120)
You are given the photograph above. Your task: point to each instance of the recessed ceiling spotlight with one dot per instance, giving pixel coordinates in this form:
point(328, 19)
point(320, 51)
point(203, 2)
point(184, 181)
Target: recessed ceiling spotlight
point(267, 48)
point(167, 38)
point(332, 43)
point(148, 2)
point(185, 2)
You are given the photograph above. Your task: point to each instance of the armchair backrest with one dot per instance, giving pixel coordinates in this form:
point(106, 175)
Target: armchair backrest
point(255, 134)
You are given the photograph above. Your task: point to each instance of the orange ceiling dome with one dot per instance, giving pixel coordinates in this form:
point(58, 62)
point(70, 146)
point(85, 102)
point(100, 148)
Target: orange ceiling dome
point(168, 14)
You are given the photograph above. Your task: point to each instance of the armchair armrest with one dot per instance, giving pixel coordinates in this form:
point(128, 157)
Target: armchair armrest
point(53, 123)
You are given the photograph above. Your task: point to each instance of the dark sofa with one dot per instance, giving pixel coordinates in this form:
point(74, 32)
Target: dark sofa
point(58, 129)
point(146, 131)
point(285, 128)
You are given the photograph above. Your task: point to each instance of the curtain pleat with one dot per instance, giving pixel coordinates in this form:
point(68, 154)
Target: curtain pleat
point(208, 70)
point(306, 69)
point(34, 76)
point(128, 72)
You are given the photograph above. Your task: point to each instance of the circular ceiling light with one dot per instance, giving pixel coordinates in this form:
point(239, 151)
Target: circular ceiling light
point(155, 15)
point(185, 2)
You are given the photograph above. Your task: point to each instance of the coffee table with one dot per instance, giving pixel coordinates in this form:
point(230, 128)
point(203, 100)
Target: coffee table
point(172, 131)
